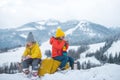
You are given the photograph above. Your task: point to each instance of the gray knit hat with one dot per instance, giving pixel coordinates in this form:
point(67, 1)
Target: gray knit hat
point(30, 38)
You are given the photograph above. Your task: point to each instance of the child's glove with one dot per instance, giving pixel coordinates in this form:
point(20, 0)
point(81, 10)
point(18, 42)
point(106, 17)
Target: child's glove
point(65, 53)
point(23, 58)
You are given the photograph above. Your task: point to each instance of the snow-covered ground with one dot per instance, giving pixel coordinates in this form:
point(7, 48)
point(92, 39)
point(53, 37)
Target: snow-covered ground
point(114, 49)
point(92, 60)
point(11, 56)
point(92, 48)
point(106, 72)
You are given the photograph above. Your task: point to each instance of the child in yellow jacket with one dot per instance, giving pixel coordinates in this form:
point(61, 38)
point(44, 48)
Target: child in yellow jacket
point(31, 56)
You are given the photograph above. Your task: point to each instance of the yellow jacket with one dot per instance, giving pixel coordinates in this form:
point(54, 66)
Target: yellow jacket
point(35, 51)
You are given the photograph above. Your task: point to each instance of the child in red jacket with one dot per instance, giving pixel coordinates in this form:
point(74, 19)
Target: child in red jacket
point(59, 49)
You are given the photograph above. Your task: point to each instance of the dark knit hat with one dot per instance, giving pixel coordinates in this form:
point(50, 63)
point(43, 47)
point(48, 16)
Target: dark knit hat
point(30, 38)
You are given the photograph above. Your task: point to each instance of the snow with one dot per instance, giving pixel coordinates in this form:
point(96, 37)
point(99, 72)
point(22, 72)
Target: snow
point(14, 33)
point(92, 48)
point(52, 32)
point(11, 56)
point(114, 49)
point(92, 60)
point(51, 23)
point(45, 46)
point(106, 72)
point(70, 31)
point(42, 22)
point(40, 27)
point(73, 47)
point(26, 29)
point(82, 26)
point(23, 35)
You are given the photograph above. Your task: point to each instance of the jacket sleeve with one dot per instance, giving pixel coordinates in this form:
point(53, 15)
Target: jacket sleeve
point(67, 44)
point(51, 40)
point(25, 52)
point(58, 46)
point(37, 53)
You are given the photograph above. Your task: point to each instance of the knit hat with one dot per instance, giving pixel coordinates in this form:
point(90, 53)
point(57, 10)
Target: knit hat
point(59, 33)
point(30, 38)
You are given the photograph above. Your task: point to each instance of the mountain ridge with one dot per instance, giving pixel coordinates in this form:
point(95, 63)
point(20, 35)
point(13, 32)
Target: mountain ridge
point(83, 30)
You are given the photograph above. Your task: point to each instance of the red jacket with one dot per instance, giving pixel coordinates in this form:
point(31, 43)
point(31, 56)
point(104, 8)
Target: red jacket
point(57, 46)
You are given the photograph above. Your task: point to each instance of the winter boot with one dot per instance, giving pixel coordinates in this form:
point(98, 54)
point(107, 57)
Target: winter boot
point(34, 75)
point(72, 67)
point(26, 73)
point(60, 69)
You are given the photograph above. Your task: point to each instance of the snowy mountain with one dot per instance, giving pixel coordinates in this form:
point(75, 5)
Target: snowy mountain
point(87, 31)
point(10, 38)
point(78, 32)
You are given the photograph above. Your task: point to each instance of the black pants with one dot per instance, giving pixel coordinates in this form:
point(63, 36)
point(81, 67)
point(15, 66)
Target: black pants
point(33, 62)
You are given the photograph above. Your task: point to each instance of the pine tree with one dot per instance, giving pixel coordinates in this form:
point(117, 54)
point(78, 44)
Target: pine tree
point(88, 65)
point(11, 68)
point(104, 58)
point(6, 69)
point(115, 58)
point(1, 70)
point(72, 53)
point(78, 65)
point(110, 59)
point(119, 59)
point(82, 49)
point(84, 65)
point(15, 68)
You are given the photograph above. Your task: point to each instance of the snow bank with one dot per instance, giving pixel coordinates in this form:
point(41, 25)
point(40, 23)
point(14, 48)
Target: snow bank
point(106, 72)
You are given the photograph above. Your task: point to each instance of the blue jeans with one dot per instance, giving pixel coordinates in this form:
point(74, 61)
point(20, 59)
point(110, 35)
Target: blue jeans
point(34, 62)
point(64, 60)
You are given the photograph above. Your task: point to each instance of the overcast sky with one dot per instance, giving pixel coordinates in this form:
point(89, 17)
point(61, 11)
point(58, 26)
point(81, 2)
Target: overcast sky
point(14, 13)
